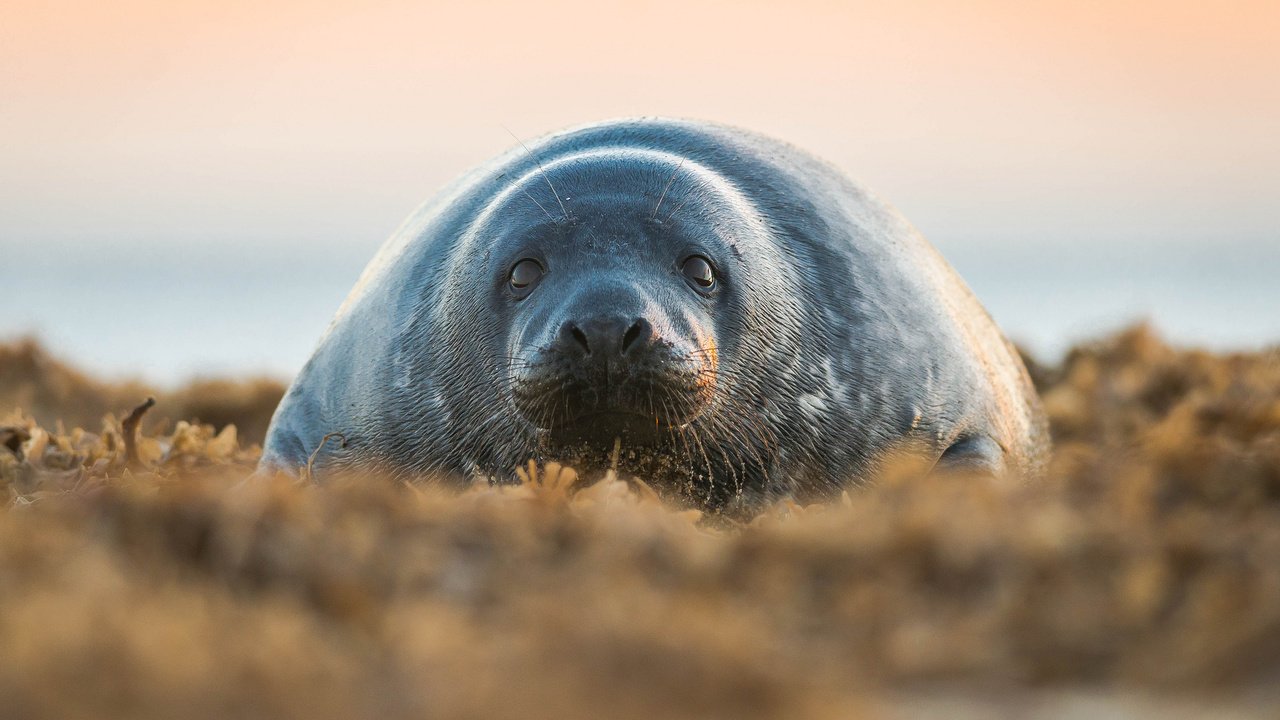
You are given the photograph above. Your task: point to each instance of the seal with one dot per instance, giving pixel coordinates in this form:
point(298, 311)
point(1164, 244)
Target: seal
point(716, 312)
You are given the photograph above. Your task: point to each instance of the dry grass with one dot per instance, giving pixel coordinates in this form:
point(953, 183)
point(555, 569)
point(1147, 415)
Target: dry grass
point(1143, 578)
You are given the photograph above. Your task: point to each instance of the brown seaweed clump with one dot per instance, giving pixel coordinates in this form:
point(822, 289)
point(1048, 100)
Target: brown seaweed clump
point(1141, 579)
point(48, 391)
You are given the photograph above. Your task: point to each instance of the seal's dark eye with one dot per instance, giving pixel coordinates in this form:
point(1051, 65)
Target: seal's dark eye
point(525, 274)
point(698, 270)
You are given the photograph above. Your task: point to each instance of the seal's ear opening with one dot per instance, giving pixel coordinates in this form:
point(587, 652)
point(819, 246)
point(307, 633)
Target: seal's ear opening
point(972, 453)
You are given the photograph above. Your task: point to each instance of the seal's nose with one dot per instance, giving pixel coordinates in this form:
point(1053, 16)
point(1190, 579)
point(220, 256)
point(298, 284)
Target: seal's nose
point(605, 337)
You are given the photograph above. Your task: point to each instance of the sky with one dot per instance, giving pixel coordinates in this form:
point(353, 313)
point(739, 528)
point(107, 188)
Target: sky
point(191, 188)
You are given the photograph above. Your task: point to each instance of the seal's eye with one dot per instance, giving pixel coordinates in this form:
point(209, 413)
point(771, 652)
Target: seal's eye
point(698, 270)
point(525, 274)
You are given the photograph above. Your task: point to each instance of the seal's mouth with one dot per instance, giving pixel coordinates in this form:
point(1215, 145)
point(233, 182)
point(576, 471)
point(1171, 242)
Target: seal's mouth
point(642, 408)
point(600, 428)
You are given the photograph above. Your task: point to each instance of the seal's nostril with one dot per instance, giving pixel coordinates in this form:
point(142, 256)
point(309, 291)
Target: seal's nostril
point(638, 330)
point(581, 337)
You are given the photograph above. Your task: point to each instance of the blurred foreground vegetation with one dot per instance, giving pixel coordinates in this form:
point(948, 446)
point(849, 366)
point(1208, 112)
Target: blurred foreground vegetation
point(1142, 579)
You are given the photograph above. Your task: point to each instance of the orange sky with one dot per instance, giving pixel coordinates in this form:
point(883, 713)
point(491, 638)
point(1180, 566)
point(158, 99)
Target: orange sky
point(300, 123)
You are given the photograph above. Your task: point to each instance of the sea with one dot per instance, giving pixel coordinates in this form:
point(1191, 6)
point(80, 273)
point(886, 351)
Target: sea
point(168, 314)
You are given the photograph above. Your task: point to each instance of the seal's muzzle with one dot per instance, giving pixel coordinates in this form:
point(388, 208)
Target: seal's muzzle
point(608, 375)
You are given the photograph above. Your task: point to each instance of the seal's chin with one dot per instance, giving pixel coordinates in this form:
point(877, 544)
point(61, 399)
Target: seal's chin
point(600, 429)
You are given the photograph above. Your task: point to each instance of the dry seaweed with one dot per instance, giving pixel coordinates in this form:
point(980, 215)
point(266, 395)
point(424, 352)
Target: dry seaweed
point(1141, 579)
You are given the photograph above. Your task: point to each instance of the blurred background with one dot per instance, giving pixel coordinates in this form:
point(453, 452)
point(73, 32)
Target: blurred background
point(192, 188)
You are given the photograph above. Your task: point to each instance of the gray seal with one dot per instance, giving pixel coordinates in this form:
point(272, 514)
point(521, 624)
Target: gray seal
point(717, 312)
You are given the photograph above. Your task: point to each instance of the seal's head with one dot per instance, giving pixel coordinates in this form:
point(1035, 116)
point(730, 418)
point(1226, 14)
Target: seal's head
point(638, 314)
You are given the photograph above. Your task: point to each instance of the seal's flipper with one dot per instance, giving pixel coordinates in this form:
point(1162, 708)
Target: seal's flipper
point(972, 453)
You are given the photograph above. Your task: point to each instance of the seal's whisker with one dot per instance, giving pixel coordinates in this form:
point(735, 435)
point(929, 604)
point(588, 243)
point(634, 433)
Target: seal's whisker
point(675, 433)
point(706, 459)
point(679, 207)
point(654, 214)
point(542, 170)
point(535, 202)
point(729, 440)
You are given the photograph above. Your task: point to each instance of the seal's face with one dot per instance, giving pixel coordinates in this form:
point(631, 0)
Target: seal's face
point(612, 330)
point(653, 312)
